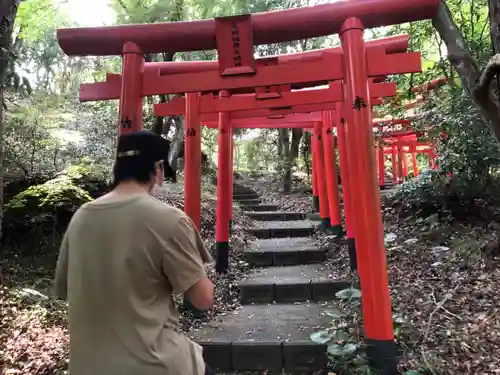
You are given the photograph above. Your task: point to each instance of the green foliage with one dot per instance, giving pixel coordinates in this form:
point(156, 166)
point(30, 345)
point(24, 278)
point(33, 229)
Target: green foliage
point(35, 44)
point(36, 217)
point(93, 178)
point(469, 161)
point(34, 17)
point(148, 11)
point(54, 194)
point(470, 152)
point(343, 337)
point(447, 198)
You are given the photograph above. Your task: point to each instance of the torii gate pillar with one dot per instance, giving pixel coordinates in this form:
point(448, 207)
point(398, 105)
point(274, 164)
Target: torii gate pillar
point(130, 108)
point(192, 159)
point(224, 183)
point(314, 175)
point(369, 232)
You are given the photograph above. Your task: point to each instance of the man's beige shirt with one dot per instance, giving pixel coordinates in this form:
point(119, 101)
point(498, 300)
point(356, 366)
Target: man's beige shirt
point(118, 266)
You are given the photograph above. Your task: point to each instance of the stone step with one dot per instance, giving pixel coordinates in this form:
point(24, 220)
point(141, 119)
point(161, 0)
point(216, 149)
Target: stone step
point(260, 207)
point(275, 215)
point(249, 202)
point(243, 196)
point(313, 216)
point(284, 252)
point(281, 229)
point(244, 191)
point(312, 282)
point(267, 338)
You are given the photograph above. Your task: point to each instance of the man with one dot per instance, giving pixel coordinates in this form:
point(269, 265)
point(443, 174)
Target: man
point(122, 257)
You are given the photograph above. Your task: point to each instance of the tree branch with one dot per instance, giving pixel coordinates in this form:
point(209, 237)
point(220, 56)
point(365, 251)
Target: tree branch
point(487, 76)
point(475, 82)
point(494, 17)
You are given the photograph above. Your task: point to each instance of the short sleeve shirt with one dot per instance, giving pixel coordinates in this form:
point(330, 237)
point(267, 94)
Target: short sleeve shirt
point(119, 265)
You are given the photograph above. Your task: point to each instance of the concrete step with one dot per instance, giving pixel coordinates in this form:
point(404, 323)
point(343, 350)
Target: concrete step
point(275, 215)
point(260, 207)
point(284, 252)
point(249, 202)
point(243, 196)
point(312, 282)
point(281, 229)
point(243, 190)
point(267, 338)
point(313, 216)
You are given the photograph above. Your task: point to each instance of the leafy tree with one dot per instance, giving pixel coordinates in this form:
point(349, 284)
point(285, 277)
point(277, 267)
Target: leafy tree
point(478, 84)
point(8, 12)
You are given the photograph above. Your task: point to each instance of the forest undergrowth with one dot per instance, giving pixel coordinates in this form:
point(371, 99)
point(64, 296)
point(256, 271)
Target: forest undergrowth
point(443, 250)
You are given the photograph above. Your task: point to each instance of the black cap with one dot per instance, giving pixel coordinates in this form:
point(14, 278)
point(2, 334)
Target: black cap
point(143, 144)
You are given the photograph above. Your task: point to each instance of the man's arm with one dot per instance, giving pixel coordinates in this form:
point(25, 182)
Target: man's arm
point(60, 288)
point(183, 258)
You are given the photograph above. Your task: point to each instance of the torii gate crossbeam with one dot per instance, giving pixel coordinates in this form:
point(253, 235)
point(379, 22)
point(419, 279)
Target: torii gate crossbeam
point(268, 27)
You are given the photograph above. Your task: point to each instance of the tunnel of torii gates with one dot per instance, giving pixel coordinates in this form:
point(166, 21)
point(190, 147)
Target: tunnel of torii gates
point(237, 71)
point(324, 142)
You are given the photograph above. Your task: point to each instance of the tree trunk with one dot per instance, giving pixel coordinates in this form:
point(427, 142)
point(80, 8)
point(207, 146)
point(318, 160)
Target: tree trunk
point(296, 138)
point(8, 12)
point(236, 156)
point(286, 157)
point(478, 85)
point(177, 142)
point(305, 154)
point(160, 122)
point(494, 16)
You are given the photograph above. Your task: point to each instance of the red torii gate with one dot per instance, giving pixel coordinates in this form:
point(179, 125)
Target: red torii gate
point(325, 68)
point(392, 44)
point(326, 194)
point(397, 152)
point(268, 27)
point(407, 143)
point(288, 102)
point(244, 107)
point(400, 170)
point(349, 18)
point(112, 88)
point(404, 136)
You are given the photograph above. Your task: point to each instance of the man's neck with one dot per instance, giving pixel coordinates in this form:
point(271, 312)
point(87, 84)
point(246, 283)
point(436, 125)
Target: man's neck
point(130, 188)
point(124, 190)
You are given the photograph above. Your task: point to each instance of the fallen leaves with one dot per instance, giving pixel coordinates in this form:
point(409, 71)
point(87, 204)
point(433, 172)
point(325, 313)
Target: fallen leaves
point(449, 296)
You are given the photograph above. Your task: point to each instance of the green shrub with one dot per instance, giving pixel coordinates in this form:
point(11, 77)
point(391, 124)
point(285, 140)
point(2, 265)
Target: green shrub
point(58, 192)
point(92, 178)
point(451, 197)
point(40, 214)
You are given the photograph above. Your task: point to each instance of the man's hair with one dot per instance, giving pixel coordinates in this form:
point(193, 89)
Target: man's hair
point(137, 155)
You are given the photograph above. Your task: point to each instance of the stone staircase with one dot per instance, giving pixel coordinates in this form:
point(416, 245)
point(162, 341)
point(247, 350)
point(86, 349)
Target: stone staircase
point(389, 186)
point(284, 298)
